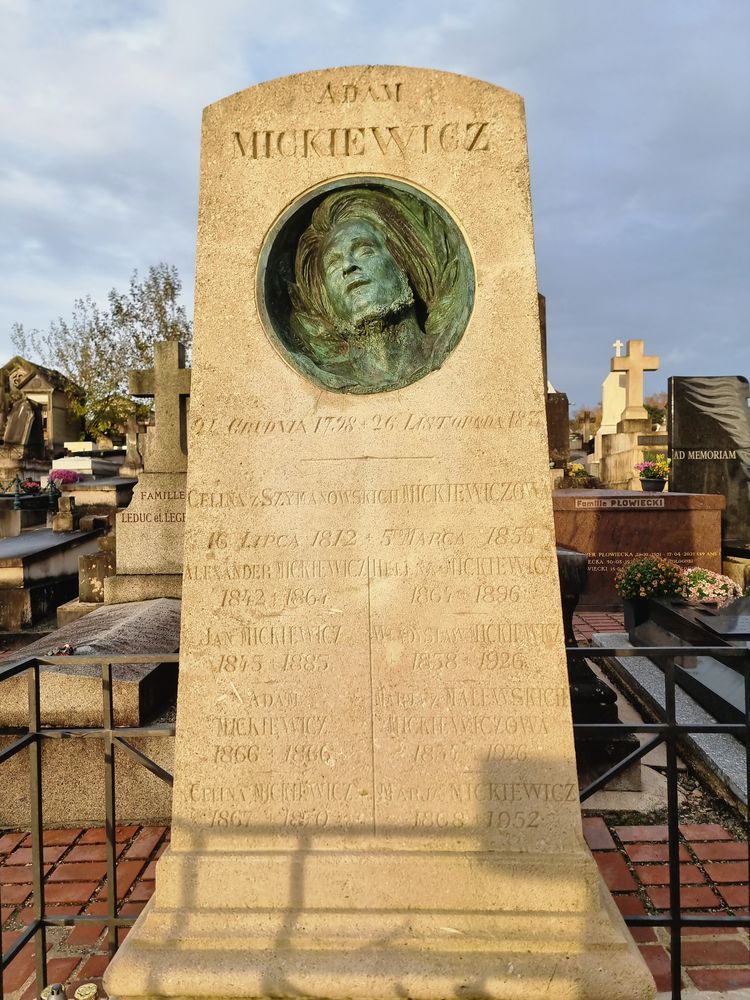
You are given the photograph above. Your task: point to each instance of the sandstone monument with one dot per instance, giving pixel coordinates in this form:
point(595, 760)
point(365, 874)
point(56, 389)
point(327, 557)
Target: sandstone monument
point(375, 790)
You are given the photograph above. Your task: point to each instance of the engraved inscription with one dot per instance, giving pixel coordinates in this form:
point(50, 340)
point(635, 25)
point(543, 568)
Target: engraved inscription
point(387, 140)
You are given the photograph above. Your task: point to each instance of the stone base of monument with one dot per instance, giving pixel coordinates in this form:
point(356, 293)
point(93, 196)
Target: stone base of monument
point(122, 589)
point(300, 923)
point(39, 570)
point(737, 567)
point(102, 494)
point(71, 611)
point(71, 696)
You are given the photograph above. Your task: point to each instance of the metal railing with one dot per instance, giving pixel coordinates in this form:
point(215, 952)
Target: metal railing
point(666, 730)
point(31, 739)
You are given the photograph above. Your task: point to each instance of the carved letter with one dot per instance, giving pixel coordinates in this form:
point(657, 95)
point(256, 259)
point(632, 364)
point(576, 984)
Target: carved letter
point(446, 137)
point(473, 137)
point(354, 141)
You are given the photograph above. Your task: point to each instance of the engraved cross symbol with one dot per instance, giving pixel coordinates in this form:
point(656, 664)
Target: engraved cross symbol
point(618, 346)
point(169, 385)
point(634, 364)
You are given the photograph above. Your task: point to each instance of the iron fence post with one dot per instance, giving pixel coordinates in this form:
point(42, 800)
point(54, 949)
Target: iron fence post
point(109, 794)
point(37, 837)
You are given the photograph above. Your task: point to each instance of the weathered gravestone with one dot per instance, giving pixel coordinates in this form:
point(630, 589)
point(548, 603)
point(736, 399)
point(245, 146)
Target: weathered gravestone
point(150, 531)
point(709, 443)
point(375, 790)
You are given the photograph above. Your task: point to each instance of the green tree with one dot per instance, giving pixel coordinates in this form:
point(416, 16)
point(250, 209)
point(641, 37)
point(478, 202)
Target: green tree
point(96, 348)
point(656, 407)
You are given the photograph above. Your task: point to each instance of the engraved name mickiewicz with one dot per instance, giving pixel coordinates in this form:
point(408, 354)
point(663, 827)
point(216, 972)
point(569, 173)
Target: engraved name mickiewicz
point(409, 493)
point(446, 137)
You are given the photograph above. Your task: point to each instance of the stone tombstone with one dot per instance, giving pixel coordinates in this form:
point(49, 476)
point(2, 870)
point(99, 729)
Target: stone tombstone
point(375, 790)
point(709, 444)
point(150, 532)
point(615, 526)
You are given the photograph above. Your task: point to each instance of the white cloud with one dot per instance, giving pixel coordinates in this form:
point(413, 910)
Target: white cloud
point(637, 128)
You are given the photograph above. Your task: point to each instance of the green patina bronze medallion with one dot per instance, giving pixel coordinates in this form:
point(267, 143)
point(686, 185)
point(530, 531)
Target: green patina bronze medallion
point(365, 285)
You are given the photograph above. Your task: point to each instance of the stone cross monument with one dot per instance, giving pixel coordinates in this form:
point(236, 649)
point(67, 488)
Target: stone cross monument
point(634, 364)
point(618, 346)
point(375, 788)
point(150, 531)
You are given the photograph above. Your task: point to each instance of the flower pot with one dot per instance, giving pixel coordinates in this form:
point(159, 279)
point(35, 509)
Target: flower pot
point(653, 485)
point(635, 613)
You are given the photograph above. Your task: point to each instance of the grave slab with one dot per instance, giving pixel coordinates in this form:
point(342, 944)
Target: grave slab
point(375, 789)
point(614, 526)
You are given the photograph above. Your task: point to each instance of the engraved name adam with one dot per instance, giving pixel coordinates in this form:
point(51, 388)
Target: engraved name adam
point(387, 140)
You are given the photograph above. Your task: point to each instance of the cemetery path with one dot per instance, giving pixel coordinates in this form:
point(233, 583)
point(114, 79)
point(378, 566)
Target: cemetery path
point(631, 857)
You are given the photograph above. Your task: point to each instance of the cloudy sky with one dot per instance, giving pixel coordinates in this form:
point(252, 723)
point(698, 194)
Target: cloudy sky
point(639, 132)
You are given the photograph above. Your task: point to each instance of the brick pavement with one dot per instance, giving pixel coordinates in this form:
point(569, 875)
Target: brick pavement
point(632, 860)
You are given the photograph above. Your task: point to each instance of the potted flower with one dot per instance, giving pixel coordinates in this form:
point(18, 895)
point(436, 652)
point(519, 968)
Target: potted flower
point(60, 476)
point(30, 486)
point(703, 586)
point(643, 578)
point(654, 473)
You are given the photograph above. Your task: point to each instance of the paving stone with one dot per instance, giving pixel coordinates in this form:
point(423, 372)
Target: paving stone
point(704, 831)
point(659, 874)
point(720, 979)
point(16, 894)
point(632, 906)
point(597, 835)
point(127, 873)
point(96, 834)
point(701, 897)
point(714, 953)
point(83, 872)
point(640, 834)
point(729, 871)
point(13, 875)
point(95, 967)
point(10, 841)
point(143, 891)
point(91, 852)
point(24, 855)
point(650, 852)
point(722, 850)
point(614, 872)
point(56, 837)
point(735, 895)
point(658, 962)
point(70, 892)
point(84, 935)
point(144, 844)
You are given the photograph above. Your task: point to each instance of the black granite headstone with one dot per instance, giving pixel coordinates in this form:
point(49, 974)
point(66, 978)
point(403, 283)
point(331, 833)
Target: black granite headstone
point(709, 444)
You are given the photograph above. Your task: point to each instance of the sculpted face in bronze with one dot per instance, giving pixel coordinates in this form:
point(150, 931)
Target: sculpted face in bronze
point(376, 291)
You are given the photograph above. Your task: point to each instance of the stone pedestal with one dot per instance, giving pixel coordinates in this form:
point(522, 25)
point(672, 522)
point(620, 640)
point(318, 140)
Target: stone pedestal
point(375, 791)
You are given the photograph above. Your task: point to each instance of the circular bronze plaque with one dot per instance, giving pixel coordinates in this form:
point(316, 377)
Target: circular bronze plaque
point(365, 285)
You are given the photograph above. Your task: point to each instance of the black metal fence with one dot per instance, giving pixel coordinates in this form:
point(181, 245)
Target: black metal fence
point(665, 730)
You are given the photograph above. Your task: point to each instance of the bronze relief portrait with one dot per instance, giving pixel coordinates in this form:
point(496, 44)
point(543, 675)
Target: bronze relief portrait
point(367, 287)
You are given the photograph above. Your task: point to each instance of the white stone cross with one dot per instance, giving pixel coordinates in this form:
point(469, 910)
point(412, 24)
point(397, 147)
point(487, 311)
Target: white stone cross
point(618, 346)
point(634, 364)
point(168, 382)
